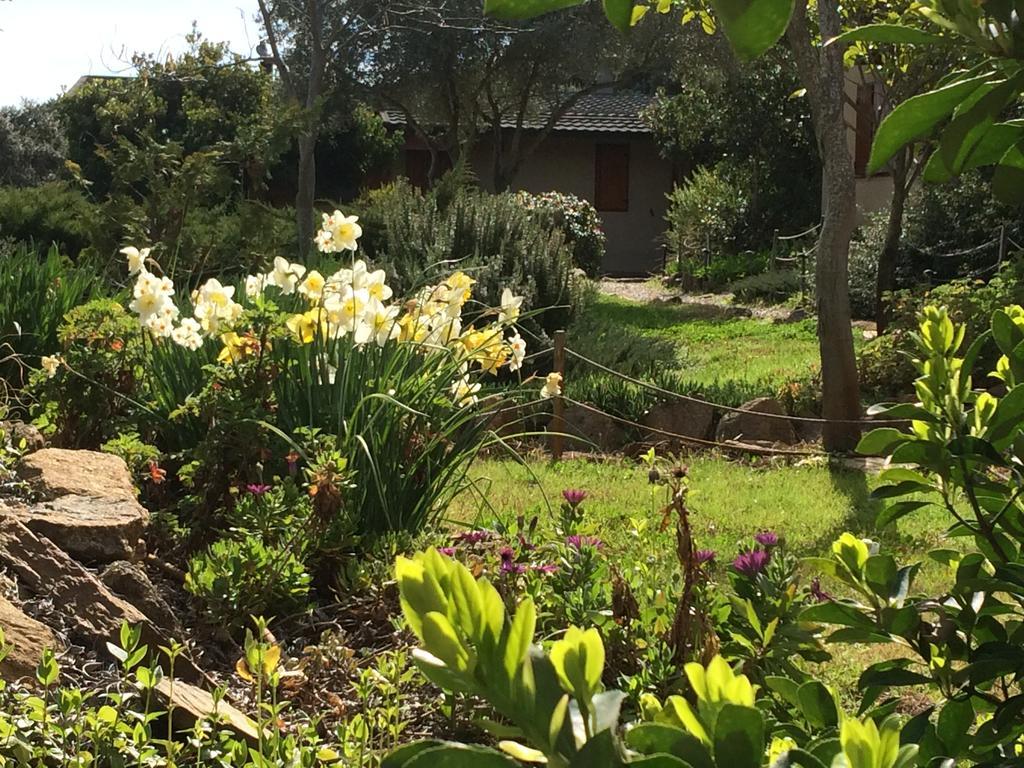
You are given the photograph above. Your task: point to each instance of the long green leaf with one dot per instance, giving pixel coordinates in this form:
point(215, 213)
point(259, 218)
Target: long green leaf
point(753, 26)
point(916, 117)
point(516, 10)
point(889, 33)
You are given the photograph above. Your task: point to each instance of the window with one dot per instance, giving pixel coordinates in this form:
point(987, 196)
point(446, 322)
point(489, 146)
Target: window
point(611, 177)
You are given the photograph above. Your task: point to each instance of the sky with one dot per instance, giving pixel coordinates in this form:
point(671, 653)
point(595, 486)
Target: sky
point(46, 45)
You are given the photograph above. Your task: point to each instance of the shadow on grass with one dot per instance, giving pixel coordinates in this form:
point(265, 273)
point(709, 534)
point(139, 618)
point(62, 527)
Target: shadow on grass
point(853, 484)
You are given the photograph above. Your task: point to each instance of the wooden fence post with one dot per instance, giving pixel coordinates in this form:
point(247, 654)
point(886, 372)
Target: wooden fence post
point(558, 422)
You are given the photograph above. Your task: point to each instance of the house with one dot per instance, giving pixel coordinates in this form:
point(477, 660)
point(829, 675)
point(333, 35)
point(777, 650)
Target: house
point(863, 111)
point(600, 150)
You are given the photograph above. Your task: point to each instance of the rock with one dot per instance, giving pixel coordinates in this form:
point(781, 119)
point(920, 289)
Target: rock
point(18, 432)
point(808, 431)
point(192, 703)
point(681, 417)
point(748, 425)
point(56, 472)
point(93, 614)
point(738, 311)
point(589, 431)
point(29, 638)
point(89, 508)
point(130, 581)
point(795, 316)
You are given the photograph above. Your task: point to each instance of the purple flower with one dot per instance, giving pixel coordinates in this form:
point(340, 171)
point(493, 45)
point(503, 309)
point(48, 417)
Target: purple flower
point(702, 556)
point(508, 562)
point(525, 545)
point(449, 551)
point(574, 496)
point(473, 537)
point(578, 542)
point(767, 538)
point(751, 563)
point(546, 568)
point(818, 593)
point(257, 489)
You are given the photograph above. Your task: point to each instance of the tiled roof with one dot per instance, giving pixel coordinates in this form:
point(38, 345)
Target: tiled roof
point(603, 112)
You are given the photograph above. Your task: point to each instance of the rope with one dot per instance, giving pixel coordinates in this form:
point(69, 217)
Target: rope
point(813, 229)
point(955, 254)
point(729, 446)
point(728, 408)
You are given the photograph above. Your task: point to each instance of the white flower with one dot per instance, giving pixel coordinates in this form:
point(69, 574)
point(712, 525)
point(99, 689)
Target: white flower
point(160, 325)
point(376, 285)
point(212, 292)
point(285, 276)
point(187, 334)
point(384, 321)
point(147, 305)
point(552, 386)
point(518, 352)
point(313, 286)
point(254, 285)
point(464, 392)
point(50, 364)
point(510, 304)
point(136, 258)
point(338, 233)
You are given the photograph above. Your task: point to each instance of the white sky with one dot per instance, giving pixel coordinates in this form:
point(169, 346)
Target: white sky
point(46, 45)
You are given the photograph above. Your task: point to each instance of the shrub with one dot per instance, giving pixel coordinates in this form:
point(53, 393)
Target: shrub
point(32, 143)
point(580, 224)
point(704, 213)
point(417, 236)
point(238, 578)
point(863, 278)
point(773, 287)
point(54, 213)
point(35, 294)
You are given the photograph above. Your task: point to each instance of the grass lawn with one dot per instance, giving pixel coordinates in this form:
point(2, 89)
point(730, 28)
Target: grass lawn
point(729, 502)
point(705, 343)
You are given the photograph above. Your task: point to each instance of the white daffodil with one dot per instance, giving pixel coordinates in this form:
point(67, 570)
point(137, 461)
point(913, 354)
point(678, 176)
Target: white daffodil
point(254, 285)
point(212, 292)
point(384, 321)
point(160, 325)
point(510, 304)
point(187, 334)
point(518, 352)
point(147, 305)
point(338, 233)
point(136, 258)
point(377, 286)
point(464, 392)
point(146, 283)
point(552, 386)
point(285, 276)
point(50, 364)
point(313, 286)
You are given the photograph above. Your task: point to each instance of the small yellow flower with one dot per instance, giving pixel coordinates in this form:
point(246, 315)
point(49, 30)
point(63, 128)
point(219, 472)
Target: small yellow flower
point(50, 364)
point(237, 348)
point(304, 326)
point(460, 286)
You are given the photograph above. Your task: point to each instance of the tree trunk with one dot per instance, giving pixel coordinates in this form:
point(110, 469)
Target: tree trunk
point(822, 73)
point(886, 280)
point(305, 196)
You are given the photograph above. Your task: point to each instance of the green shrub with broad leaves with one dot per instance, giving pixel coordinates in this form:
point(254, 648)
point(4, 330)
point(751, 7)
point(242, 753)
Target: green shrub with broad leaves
point(554, 707)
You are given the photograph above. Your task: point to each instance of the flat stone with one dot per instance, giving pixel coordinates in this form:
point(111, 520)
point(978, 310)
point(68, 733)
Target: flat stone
point(93, 613)
point(130, 581)
point(192, 703)
point(29, 638)
point(680, 417)
point(749, 425)
point(89, 507)
point(56, 472)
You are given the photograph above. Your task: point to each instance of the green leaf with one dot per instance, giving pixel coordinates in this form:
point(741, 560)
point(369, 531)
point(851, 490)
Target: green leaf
point(520, 635)
point(901, 411)
point(970, 125)
point(955, 720)
point(1008, 180)
point(739, 737)
point(818, 705)
point(454, 755)
point(916, 117)
point(600, 750)
point(898, 510)
point(649, 738)
point(785, 687)
point(753, 26)
point(799, 757)
point(619, 13)
point(515, 10)
point(836, 613)
point(988, 151)
point(399, 757)
point(882, 441)
point(888, 673)
point(889, 33)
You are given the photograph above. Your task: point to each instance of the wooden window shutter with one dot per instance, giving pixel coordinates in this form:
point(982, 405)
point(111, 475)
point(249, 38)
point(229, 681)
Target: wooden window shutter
point(611, 177)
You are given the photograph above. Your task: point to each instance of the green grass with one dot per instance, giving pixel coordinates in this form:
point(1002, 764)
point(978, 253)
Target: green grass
point(729, 502)
point(703, 342)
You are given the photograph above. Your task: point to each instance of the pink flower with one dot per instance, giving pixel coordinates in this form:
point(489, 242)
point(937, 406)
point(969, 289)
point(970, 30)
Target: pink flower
point(257, 489)
point(578, 542)
point(818, 593)
point(473, 537)
point(508, 562)
point(751, 563)
point(574, 496)
point(546, 568)
point(702, 556)
point(767, 538)
point(449, 551)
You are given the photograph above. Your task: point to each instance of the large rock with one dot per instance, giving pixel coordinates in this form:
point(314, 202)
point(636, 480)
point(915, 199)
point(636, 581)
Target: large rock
point(29, 638)
point(589, 431)
point(679, 417)
point(130, 581)
point(56, 472)
point(89, 508)
point(91, 613)
point(757, 421)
